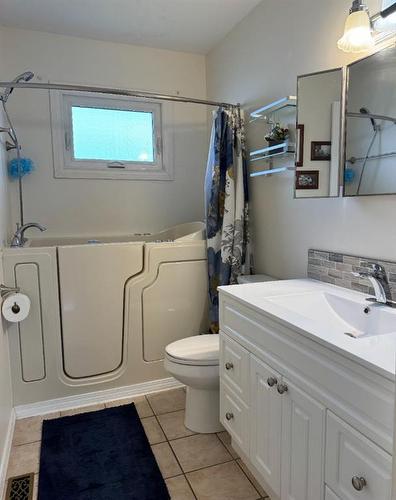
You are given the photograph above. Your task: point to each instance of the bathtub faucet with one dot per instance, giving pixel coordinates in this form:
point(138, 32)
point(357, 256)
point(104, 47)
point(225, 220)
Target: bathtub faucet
point(19, 239)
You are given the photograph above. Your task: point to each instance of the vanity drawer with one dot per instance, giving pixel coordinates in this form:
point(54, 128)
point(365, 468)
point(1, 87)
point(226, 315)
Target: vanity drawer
point(235, 366)
point(351, 456)
point(234, 415)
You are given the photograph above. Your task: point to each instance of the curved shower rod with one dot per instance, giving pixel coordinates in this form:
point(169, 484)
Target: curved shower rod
point(115, 91)
point(372, 116)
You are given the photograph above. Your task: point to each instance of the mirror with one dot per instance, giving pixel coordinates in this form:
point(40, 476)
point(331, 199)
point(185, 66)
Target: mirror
point(370, 142)
point(318, 150)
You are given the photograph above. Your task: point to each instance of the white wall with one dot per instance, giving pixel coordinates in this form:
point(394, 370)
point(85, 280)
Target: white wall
point(259, 61)
point(104, 207)
point(5, 377)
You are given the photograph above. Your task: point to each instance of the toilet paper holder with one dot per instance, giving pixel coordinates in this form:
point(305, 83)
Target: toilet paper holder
point(5, 290)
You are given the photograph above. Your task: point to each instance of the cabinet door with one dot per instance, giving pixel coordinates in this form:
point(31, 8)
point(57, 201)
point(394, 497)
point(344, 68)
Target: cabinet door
point(356, 468)
point(330, 495)
point(303, 424)
point(266, 425)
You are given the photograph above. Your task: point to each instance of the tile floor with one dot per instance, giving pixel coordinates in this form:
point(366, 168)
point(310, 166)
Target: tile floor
point(194, 466)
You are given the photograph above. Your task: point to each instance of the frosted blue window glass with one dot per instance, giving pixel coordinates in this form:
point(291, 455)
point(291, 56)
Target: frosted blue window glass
point(112, 135)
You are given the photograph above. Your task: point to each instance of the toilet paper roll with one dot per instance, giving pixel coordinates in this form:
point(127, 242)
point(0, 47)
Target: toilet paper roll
point(15, 307)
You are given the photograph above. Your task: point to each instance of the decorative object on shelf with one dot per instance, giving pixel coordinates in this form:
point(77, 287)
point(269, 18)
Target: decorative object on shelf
point(307, 179)
point(300, 145)
point(320, 151)
point(278, 136)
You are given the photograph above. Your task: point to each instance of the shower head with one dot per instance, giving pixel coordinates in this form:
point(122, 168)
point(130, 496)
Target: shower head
point(24, 77)
point(365, 111)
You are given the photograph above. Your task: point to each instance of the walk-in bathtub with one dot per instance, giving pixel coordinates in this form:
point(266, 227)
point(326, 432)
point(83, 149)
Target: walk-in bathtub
point(103, 309)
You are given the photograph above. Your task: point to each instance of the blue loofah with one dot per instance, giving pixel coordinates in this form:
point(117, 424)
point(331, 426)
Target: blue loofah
point(20, 168)
point(349, 174)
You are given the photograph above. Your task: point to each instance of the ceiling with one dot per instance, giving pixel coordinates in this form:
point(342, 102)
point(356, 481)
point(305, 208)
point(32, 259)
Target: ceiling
point(183, 25)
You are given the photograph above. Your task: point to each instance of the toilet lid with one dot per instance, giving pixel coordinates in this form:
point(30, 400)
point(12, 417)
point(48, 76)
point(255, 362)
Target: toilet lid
point(197, 350)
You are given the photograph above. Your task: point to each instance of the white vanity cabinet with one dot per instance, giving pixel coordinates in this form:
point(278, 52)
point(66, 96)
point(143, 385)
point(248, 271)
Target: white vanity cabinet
point(309, 425)
point(282, 431)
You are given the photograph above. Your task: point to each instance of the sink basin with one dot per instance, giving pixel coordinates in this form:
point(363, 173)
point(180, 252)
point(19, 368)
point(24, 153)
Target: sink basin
point(354, 318)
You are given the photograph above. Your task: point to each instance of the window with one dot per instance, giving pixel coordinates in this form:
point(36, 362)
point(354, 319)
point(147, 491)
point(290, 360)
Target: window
point(107, 137)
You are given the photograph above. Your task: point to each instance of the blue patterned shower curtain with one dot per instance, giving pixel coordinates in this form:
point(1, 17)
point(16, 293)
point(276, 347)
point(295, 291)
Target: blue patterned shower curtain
point(226, 205)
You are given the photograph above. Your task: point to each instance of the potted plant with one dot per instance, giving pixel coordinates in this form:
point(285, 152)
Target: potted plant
point(277, 135)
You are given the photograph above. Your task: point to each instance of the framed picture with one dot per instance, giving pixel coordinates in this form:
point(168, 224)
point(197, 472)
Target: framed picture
point(320, 151)
point(300, 145)
point(307, 179)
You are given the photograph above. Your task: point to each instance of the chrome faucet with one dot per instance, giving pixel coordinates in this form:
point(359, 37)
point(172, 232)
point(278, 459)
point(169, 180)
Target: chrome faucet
point(19, 239)
point(377, 277)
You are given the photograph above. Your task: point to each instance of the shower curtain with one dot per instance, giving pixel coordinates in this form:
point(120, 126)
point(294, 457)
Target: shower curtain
point(226, 206)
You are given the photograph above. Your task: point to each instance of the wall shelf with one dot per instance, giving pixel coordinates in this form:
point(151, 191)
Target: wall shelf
point(272, 151)
point(275, 158)
point(271, 171)
point(276, 106)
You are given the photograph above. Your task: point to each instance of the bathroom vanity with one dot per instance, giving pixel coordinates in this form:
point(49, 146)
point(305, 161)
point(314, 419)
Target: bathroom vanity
point(307, 388)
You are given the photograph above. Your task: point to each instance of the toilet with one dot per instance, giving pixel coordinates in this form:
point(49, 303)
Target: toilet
point(194, 361)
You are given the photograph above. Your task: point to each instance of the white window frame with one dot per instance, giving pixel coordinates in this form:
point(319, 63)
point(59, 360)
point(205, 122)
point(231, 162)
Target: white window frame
point(66, 166)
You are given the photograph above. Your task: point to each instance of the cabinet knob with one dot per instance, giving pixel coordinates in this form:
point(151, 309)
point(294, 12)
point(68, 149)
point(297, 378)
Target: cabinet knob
point(229, 366)
point(358, 483)
point(229, 416)
point(282, 388)
point(271, 381)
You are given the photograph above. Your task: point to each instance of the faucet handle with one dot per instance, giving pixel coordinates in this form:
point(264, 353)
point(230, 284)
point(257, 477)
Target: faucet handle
point(374, 269)
point(378, 271)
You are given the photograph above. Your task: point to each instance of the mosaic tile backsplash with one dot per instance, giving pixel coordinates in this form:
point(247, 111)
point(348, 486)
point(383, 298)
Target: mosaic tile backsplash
point(336, 268)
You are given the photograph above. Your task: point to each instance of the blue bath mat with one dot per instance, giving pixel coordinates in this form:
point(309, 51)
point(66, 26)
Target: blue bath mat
point(102, 455)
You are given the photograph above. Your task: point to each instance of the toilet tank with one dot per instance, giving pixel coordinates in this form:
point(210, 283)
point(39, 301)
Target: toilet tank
point(255, 278)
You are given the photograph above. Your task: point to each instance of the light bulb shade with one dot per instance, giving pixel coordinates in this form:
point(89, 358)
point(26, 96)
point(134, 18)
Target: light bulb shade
point(357, 34)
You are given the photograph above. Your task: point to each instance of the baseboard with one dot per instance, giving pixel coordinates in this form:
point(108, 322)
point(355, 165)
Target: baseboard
point(5, 456)
point(91, 398)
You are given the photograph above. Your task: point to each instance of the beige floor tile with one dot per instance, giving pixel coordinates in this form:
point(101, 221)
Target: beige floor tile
point(28, 430)
point(198, 451)
point(252, 479)
point(226, 440)
point(84, 409)
point(153, 430)
point(166, 460)
point(222, 482)
point(24, 458)
point(173, 425)
point(179, 488)
point(142, 406)
point(167, 401)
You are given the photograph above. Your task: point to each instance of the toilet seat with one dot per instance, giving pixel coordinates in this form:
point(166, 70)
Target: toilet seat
point(200, 350)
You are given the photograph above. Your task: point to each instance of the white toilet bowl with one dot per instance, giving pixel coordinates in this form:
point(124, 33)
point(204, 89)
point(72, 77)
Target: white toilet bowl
point(194, 361)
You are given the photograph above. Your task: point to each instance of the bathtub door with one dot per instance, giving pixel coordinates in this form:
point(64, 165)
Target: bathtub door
point(91, 283)
point(175, 306)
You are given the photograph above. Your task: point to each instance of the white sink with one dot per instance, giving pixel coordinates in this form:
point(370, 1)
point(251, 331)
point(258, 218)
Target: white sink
point(330, 315)
point(354, 318)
